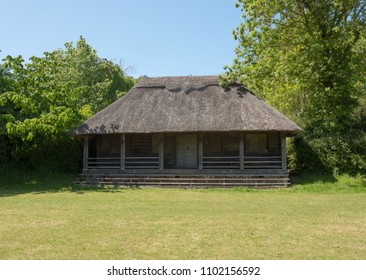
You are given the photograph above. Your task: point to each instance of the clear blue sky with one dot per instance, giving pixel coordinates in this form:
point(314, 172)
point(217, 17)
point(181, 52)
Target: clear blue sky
point(155, 37)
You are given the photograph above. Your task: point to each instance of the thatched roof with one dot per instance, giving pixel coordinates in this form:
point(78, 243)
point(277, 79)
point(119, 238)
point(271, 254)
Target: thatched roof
point(186, 104)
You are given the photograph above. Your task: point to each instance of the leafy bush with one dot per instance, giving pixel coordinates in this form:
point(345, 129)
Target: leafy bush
point(331, 152)
point(42, 100)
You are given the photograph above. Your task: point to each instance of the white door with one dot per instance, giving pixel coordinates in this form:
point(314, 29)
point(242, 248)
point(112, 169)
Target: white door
point(187, 151)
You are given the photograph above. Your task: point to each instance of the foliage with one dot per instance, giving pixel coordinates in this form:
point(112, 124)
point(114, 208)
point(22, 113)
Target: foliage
point(301, 156)
point(44, 99)
point(307, 58)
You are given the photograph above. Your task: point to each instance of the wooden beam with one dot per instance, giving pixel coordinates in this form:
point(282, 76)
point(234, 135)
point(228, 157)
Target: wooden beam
point(86, 153)
point(200, 151)
point(241, 151)
point(283, 152)
point(123, 151)
point(161, 151)
point(98, 145)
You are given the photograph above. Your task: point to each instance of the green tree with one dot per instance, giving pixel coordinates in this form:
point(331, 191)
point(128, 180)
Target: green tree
point(44, 99)
point(307, 58)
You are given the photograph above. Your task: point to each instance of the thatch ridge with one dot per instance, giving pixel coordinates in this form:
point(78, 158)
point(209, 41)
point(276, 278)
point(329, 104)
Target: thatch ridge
point(186, 104)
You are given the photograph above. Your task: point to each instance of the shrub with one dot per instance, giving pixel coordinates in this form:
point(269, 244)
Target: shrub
point(339, 152)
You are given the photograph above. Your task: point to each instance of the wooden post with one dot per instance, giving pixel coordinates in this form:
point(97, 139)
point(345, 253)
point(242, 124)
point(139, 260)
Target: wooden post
point(283, 152)
point(122, 151)
point(200, 151)
point(161, 151)
point(86, 153)
point(241, 151)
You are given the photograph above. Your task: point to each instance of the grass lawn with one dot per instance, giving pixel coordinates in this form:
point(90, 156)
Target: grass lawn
point(48, 217)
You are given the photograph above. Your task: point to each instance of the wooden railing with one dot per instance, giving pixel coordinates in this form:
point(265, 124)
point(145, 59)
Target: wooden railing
point(142, 162)
point(130, 163)
point(262, 162)
point(221, 162)
point(104, 163)
point(209, 162)
point(250, 162)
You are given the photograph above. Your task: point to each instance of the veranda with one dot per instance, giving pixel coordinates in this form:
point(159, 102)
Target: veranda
point(186, 153)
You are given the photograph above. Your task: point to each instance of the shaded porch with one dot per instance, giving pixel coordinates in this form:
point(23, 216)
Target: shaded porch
point(186, 153)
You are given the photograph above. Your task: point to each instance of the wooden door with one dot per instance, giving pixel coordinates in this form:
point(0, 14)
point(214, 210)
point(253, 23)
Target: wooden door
point(187, 151)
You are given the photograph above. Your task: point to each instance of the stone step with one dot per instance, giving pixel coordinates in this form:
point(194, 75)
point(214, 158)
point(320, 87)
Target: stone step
point(186, 181)
point(212, 180)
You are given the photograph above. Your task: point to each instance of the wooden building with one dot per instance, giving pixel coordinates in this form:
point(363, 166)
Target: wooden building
point(186, 131)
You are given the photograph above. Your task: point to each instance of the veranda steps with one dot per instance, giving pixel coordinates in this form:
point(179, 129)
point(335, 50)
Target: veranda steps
point(185, 181)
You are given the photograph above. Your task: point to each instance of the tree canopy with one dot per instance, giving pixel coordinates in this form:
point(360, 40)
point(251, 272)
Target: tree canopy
point(43, 99)
point(308, 59)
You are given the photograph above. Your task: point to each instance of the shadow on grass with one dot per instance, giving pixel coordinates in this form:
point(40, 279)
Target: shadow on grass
point(17, 183)
point(310, 178)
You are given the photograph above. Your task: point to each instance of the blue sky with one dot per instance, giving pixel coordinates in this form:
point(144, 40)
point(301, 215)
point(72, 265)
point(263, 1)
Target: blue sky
point(150, 37)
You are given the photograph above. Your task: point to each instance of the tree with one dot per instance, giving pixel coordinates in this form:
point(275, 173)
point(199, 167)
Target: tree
point(6, 114)
point(44, 99)
point(308, 59)
point(305, 57)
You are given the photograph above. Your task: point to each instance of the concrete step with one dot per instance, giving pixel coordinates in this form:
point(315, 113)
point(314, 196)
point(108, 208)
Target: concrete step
point(185, 181)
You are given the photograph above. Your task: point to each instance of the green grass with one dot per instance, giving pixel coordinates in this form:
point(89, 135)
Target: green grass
point(46, 216)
